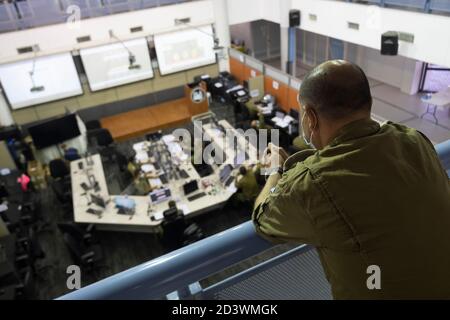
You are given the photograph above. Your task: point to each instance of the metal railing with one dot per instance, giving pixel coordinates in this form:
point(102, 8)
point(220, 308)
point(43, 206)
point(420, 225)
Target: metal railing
point(24, 14)
point(181, 270)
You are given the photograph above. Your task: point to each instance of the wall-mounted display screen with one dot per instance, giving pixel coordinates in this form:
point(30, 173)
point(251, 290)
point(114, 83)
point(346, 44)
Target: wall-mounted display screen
point(39, 80)
point(117, 64)
point(54, 131)
point(186, 49)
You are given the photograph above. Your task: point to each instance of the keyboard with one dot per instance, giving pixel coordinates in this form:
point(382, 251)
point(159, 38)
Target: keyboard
point(196, 196)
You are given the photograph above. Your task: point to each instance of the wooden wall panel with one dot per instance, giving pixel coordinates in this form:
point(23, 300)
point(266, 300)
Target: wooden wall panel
point(237, 69)
point(281, 93)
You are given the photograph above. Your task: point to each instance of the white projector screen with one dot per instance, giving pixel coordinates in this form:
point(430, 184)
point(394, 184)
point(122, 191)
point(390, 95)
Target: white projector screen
point(109, 66)
point(55, 77)
point(186, 49)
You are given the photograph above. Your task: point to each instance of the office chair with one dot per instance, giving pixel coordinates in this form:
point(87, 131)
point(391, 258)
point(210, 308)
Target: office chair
point(80, 234)
point(26, 289)
point(31, 252)
point(58, 169)
point(93, 124)
point(87, 257)
point(105, 142)
point(192, 234)
point(173, 227)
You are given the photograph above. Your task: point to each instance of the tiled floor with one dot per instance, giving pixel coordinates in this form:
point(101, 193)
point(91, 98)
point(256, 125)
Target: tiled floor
point(389, 103)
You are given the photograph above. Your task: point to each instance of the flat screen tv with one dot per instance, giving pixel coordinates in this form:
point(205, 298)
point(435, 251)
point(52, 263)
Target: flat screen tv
point(54, 131)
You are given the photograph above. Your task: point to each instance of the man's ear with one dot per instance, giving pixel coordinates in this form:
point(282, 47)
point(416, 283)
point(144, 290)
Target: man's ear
point(313, 120)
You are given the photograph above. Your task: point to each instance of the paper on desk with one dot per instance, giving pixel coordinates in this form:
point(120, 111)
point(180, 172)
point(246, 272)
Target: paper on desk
point(147, 168)
point(169, 138)
point(218, 85)
point(140, 146)
point(158, 215)
point(232, 188)
point(3, 207)
point(155, 182)
point(5, 171)
point(174, 148)
point(142, 156)
point(241, 93)
point(184, 208)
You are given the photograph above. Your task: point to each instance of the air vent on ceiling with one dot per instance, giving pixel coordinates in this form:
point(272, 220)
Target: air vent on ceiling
point(83, 39)
point(182, 21)
point(312, 17)
point(352, 25)
point(28, 49)
point(136, 29)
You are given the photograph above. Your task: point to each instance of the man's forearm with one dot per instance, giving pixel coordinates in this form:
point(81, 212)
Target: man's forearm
point(271, 183)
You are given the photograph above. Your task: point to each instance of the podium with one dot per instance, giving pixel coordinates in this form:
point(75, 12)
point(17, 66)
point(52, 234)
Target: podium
point(191, 92)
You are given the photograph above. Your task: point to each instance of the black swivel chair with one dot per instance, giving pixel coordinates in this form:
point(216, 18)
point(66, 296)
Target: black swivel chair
point(87, 257)
point(79, 233)
point(58, 169)
point(93, 124)
point(105, 143)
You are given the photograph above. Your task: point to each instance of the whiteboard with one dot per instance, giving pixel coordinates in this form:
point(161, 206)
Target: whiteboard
point(108, 66)
point(55, 74)
point(185, 49)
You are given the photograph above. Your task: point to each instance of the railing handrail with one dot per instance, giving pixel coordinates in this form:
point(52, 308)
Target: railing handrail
point(178, 269)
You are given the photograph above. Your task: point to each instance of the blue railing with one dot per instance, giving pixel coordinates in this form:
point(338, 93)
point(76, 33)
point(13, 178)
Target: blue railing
point(179, 269)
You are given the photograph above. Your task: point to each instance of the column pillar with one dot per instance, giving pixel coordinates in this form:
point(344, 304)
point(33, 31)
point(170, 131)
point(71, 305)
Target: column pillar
point(222, 28)
point(6, 118)
point(285, 6)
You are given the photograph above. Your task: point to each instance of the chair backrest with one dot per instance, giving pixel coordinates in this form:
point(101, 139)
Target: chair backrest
point(75, 247)
point(93, 124)
point(58, 169)
point(173, 232)
point(104, 137)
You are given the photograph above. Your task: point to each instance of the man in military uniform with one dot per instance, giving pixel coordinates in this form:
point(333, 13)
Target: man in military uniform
point(368, 195)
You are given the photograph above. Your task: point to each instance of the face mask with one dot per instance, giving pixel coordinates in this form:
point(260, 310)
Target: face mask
point(309, 143)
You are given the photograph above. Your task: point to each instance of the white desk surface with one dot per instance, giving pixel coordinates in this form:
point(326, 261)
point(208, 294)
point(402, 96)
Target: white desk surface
point(109, 215)
point(439, 99)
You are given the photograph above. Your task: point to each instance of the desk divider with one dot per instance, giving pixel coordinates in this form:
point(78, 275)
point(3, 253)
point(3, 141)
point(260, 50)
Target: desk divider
point(276, 82)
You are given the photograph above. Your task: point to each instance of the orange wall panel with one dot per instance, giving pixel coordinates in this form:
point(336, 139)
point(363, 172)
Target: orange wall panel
point(237, 69)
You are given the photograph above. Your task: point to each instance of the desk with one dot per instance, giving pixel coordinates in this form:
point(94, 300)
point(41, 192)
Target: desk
point(145, 120)
point(433, 101)
point(109, 219)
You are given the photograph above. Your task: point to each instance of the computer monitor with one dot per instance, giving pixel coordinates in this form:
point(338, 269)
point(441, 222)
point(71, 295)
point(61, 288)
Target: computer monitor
point(55, 131)
point(225, 173)
point(99, 201)
point(190, 187)
point(294, 114)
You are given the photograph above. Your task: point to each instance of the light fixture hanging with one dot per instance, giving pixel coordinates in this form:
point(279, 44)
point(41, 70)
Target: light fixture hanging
point(34, 87)
point(131, 57)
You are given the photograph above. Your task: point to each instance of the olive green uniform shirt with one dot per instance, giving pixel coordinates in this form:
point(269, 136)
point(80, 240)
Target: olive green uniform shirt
point(374, 196)
point(249, 186)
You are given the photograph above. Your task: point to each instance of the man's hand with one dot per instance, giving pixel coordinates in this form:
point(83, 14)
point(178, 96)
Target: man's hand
point(274, 157)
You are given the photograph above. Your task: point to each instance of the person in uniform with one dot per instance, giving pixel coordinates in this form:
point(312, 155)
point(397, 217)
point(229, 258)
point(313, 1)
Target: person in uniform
point(371, 198)
point(247, 184)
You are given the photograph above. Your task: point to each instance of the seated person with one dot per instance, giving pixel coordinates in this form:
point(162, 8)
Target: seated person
point(252, 108)
point(141, 184)
point(173, 227)
point(247, 185)
point(260, 123)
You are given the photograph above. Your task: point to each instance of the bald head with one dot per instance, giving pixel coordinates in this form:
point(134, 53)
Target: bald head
point(336, 89)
